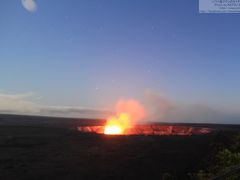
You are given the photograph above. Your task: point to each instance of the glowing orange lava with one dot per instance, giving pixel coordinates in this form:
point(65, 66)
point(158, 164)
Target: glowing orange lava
point(113, 129)
point(117, 125)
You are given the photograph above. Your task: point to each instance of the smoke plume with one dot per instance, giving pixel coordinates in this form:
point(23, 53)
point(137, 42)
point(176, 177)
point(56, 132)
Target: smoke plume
point(157, 106)
point(131, 107)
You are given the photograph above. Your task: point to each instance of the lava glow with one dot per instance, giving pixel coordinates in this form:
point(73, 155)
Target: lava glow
point(117, 125)
point(127, 121)
point(128, 112)
point(147, 129)
point(113, 129)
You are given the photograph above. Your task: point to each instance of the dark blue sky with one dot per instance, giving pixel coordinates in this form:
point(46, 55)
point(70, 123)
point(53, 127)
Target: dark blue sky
point(90, 53)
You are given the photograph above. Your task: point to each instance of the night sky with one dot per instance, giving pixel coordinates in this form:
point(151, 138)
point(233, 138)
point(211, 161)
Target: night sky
point(90, 53)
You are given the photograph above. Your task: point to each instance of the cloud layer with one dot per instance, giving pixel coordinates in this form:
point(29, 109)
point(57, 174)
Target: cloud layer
point(17, 103)
point(68, 111)
point(158, 108)
point(24, 104)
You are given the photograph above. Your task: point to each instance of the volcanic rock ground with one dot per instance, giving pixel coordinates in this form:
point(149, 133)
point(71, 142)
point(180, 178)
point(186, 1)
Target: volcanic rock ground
point(39, 148)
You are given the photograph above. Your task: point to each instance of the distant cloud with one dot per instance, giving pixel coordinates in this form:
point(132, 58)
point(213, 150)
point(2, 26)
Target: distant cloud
point(29, 5)
point(17, 103)
point(25, 104)
point(159, 108)
point(70, 111)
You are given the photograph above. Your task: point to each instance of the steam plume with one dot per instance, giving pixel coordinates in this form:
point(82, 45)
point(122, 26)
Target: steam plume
point(157, 106)
point(132, 107)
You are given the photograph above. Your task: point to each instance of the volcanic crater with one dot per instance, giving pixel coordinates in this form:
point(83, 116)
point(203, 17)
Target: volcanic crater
point(151, 129)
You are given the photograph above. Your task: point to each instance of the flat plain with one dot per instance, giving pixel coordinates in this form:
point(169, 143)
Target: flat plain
point(37, 148)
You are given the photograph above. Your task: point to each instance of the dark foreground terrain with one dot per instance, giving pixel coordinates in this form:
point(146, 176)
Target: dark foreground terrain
point(50, 148)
